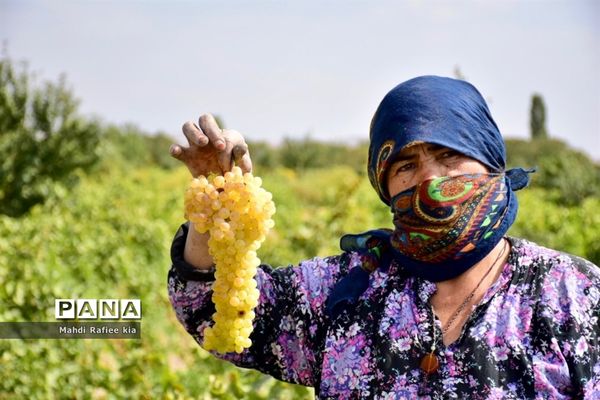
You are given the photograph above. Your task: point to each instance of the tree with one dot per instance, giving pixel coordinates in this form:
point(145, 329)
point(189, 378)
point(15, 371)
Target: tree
point(538, 117)
point(570, 175)
point(42, 139)
point(458, 73)
point(128, 146)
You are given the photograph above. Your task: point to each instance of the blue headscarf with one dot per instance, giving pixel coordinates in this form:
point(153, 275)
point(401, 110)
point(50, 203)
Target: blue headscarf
point(427, 109)
point(443, 111)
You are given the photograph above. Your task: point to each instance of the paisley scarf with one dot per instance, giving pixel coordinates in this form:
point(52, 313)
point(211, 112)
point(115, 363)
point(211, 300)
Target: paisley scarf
point(448, 224)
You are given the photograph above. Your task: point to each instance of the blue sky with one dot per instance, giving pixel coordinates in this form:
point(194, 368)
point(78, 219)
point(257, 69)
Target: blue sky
point(283, 68)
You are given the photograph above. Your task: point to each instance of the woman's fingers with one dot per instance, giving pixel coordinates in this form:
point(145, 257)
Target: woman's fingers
point(242, 157)
point(211, 129)
point(177, 152)
point(224, 157)
point(227, 146)
point(194, 135)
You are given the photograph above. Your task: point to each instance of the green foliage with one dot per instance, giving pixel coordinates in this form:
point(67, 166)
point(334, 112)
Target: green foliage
point(307, 153)
point(537, 117)
point(574, 229)
point(570, 175)
point(264, 156)
point(158, 147)
point(129, 146)
point(42, 139)
point(319, 203)
point(109, 237)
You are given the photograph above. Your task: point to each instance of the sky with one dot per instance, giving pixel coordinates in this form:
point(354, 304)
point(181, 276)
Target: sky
point(274, 69)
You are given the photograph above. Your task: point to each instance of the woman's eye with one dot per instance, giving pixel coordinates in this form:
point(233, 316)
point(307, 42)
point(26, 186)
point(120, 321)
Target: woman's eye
point(404, 168)
point(451, 156)
point(451, 153)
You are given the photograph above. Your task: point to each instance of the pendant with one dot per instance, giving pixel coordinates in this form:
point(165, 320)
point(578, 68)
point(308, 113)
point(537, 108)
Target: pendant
point(429, 363)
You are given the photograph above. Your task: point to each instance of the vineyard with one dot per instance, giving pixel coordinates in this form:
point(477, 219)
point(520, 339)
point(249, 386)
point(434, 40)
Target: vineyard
point(88, 211)
point(109, 237)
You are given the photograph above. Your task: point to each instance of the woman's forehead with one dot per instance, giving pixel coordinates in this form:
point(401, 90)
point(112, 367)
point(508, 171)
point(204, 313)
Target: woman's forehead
point(416, 147)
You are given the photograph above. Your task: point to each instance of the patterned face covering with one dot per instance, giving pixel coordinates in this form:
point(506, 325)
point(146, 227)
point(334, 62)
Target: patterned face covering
point(444, 226)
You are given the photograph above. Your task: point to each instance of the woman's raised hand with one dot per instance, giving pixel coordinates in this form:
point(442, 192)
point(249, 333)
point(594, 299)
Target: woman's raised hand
point(211, 149)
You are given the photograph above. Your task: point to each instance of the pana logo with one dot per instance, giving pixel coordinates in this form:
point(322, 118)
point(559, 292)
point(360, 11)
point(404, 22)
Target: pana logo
point(98, 309)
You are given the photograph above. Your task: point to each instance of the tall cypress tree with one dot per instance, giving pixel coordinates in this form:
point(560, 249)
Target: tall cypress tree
point(537, 120)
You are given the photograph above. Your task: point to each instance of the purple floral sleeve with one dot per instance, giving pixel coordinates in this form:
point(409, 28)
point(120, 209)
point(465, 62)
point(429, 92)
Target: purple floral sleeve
point(535, 334)
point(290, 323)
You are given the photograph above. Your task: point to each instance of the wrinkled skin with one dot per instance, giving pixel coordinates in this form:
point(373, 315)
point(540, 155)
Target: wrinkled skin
point(211, 149)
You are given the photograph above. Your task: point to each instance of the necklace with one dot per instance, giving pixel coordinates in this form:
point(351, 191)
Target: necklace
point(430, 363)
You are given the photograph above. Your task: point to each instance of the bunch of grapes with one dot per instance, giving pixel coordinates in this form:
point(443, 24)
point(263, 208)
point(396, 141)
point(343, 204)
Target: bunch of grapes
point(237, 212)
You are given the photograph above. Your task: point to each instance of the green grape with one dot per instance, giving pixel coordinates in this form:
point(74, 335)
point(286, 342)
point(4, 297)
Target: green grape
point(237, 212)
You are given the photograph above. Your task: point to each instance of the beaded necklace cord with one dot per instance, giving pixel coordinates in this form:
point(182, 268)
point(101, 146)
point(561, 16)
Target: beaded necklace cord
point(430, 363)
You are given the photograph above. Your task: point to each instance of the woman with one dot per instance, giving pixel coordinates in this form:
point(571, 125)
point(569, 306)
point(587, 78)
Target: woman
point(445, 305)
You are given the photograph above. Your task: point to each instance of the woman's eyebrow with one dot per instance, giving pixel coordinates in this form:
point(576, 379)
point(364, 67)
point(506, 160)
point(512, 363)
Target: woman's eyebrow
point(404, 157)
point(412, 156)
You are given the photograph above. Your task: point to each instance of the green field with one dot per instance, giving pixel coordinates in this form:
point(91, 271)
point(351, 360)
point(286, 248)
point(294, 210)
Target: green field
point(88, 209)
point(109, 237)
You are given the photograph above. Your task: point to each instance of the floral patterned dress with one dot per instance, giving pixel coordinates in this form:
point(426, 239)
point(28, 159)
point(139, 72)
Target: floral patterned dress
point(535, 334)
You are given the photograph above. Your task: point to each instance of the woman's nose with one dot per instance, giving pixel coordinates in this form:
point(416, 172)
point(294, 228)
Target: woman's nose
point(430, 169)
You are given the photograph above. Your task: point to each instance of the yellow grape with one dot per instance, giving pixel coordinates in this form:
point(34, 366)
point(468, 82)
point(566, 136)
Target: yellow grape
point(237, 212)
